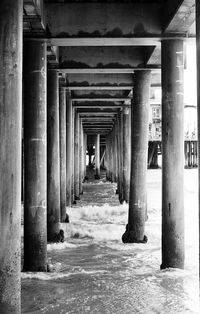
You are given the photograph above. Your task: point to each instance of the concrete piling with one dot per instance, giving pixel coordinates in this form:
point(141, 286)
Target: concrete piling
point(10, 154)
point(53, 156)
point(172, 145)
point(139, 148)
point(126, 153)
point(69, 149)
point(62, 127)
point(35, 156)
point(76, 156)
point(97, 157)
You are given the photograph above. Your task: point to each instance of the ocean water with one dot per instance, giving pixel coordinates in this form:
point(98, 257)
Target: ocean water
point(94, 272)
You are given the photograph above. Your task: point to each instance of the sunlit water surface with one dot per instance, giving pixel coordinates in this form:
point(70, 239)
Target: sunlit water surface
point(94, 272)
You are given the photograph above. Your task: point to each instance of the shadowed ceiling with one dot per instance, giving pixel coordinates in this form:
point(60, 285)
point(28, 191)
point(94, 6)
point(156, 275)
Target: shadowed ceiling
point(98, 44)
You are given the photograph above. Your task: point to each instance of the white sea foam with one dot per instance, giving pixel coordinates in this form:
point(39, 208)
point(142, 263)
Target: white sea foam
point(44, 276)
point(55, 275)
point(100, 214)
point(60, 246)
point(96, 264)
point(103, 232)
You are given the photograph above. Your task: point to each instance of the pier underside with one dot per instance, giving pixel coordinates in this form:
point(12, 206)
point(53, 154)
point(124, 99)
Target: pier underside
point(91, 99)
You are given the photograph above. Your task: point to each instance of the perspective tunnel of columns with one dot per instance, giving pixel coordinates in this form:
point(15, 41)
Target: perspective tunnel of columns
point(90, 70)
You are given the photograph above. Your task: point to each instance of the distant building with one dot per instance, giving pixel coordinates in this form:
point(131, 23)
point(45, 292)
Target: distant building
point(155, 121)
point(155, 115)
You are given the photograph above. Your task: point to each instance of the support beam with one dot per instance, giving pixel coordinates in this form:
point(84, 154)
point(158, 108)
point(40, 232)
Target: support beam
point(97, 157)
point(97, 106)
point(35, 157)
point(139, 148)
point(98, 129)
point(94, 112)
point(69, 150)
point(80, 144)
point(154, 69)
point(100, 79)
point(173, 154)
point(97, 119)
point(84, 152)
point(10, 154)
point(97, 115)
point(76, 156)
point(100, 87)
point(62, 127)
point(117, 41)
point(97, 125)
point(118, 156)
point(73, 159)
point(126, 152)
point(113, 99)
point(53, 156)
point(112, 41)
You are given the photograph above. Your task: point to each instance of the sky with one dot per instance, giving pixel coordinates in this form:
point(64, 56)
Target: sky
point(190, 75)
point(190, 93)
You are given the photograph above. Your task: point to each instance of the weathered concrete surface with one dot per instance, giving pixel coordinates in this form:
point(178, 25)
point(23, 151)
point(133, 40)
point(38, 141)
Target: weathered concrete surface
point(80, 156)
point(62, 127)
point(84, 150)
point(35, 156)
point(100, 88)
point(107, 20)
point(100, 79)
point(97, 157)
point(53, 156)
point(69, 149)
point(170, 10)
point(126, 152)
point(72, 164)
point(33, 18)
point(10, 154)
point(131, 41)
point(139, 148)
point(103, 57)
point(99, 94)
point(76, 155)
point(107, 159)
point(173, 154)
point(181, 15)
point(119, 155)
point(92, 112)
point(106, 70)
